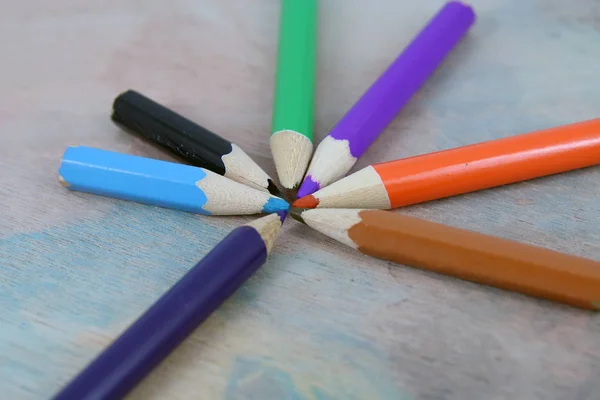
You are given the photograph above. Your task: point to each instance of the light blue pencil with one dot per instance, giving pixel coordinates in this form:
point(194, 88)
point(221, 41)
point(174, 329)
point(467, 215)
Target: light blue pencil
point(161, 183)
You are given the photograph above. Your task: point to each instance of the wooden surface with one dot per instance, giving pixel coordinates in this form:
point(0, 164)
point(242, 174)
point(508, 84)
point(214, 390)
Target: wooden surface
point(320, 321)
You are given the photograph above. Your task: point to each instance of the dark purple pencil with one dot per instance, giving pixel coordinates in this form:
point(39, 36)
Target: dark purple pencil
point(378, 106)
point(176, 314)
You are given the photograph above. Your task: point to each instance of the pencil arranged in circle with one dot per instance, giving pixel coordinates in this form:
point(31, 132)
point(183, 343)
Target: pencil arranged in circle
point(464, 169)
point(472, 256)
point(161, 183)
point(378, 106)
point(293, 104)
point(184, 138)
point(150, 339)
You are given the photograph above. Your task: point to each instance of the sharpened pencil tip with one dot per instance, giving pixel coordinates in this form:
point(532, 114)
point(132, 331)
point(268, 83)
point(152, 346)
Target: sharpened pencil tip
point(273, 189)
point(296, 213)
point(289, 195)
point(306, 202)
point(308, 187)
point(282, 215)
point(275, 204)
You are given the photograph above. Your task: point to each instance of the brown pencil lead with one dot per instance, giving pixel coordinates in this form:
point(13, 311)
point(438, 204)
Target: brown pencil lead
point(288, 194)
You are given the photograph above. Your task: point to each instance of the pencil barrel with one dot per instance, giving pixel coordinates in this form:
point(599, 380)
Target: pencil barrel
point(293, 107)
point(182, 137)
point(161, 183)
point(380, 104)
point(490, 164)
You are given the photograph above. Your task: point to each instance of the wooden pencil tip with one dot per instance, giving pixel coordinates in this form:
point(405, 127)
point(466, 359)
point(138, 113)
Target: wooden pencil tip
point(306, 202)
point(288, 194)
point(308, 186)
point(282, 215)
point(296, 213)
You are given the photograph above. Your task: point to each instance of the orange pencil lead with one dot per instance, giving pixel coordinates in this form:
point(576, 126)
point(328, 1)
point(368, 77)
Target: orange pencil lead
point(306, 202)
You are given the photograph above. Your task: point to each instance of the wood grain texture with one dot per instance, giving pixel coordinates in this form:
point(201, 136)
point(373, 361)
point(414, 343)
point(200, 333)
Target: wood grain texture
point(319, 321)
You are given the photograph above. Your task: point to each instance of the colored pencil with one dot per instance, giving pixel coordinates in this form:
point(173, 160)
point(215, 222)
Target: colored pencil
point(176, 314)
point(188, 140)
point(293, 106)
point(506, 264)
point(161, 183)
point(378, 106)
point(464, 169)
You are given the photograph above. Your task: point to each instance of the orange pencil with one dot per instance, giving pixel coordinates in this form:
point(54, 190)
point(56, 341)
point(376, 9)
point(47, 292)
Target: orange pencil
point(464, 169)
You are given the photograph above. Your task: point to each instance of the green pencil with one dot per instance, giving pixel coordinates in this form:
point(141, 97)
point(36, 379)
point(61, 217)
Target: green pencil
point(293, 106)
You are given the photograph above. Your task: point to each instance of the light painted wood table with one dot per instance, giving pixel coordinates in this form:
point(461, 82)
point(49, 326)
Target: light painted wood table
point(319, 321)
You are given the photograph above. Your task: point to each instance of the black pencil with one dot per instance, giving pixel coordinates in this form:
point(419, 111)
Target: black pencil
point(194, 143)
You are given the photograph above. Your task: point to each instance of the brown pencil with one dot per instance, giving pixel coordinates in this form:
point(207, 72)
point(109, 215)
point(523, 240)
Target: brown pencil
point(464, 254)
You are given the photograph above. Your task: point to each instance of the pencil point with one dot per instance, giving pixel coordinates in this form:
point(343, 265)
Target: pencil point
point(268, 228)
point(273, 189)
point(275, 204)
point(306, 202)
point(291, 153)
point(282, 215)
point(308, 187)
point(296, 213)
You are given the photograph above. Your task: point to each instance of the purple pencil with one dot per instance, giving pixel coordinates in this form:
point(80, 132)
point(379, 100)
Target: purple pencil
point(369, 116)
point(177, 313)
